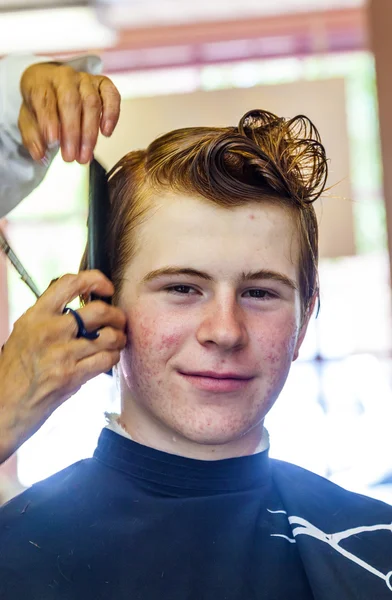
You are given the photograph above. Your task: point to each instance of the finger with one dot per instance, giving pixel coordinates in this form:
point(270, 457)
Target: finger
point(69, 107)
point(91, 116)
point(43, 104)
point(96, 364)
point(64, 376)
point(111, 101)
point(68, 287)
point(100, 314)
point(110, 339)
point(31, 137)
point(96, 315)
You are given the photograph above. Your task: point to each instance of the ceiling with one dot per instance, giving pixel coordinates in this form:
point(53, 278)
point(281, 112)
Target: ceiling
point(128, 30)
point(135, 13)
point(12, 5)
point(120, 14)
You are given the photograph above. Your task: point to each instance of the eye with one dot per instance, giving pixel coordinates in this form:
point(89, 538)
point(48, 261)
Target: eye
point(260, 294)
point(181, 290)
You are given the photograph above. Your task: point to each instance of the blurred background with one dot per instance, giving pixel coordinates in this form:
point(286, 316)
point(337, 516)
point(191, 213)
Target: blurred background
point(179, 63)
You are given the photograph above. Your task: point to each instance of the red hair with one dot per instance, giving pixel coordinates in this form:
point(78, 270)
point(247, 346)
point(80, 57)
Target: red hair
point(265, 158)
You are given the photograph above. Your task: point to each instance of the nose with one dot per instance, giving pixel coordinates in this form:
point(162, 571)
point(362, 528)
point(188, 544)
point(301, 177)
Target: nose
point(223, 324)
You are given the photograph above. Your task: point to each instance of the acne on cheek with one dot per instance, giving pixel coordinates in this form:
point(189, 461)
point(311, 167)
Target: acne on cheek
point(153, 342)
point(280, 339)
point(147, 334)
point(142, 355)
point(168, 341)
point(277, 351)
point(142, 334)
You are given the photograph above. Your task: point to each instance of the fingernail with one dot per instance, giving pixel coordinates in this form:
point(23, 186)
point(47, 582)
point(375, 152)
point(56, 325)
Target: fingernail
point(107, 128)
point(85, 154)
point(69, 151)
point(36, 151)
point(53, 144)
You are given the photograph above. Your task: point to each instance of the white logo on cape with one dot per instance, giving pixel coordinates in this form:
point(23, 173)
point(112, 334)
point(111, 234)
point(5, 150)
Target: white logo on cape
point(333, 540)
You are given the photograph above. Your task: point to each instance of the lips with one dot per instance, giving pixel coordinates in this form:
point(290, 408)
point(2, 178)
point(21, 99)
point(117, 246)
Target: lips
point(216, 383)
point(215, 375)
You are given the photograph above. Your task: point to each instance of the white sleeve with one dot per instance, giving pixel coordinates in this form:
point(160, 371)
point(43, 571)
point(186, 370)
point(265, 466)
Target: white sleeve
point(19, 173)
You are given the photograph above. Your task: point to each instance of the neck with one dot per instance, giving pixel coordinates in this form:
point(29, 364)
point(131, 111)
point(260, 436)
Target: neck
point(146, 429)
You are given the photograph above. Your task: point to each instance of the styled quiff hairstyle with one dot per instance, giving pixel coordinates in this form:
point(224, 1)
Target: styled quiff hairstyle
point(265, 158)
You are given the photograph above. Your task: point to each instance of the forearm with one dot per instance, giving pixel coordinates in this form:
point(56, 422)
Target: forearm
point(14, 429)
point(8, 441)
point(10, 434)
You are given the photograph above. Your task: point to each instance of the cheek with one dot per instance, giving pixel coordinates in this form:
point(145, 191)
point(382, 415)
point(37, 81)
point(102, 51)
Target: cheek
point(167, 341)
point(151, 337)
point(277, 344)
point(151, 344)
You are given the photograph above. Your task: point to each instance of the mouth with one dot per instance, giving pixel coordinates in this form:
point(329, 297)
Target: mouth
point(217, 382)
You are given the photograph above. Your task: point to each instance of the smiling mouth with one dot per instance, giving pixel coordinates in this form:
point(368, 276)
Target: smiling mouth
point(214, 375)
point(216, 382)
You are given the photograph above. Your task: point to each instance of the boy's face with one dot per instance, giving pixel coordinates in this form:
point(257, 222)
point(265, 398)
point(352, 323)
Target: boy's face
point(210, 347)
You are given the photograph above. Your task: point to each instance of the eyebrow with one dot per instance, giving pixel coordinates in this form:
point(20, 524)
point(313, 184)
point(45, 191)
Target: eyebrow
point(249, 276)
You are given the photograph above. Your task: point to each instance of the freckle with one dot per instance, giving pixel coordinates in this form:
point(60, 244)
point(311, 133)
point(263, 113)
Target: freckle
point(251, 217)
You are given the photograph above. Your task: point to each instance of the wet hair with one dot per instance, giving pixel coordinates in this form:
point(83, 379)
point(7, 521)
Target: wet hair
point(265, 158)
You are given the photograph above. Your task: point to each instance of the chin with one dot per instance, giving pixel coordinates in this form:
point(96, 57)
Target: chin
point(212, 434)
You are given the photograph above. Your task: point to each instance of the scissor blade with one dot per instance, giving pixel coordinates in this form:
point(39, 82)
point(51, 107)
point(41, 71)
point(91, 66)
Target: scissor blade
point(6, 248)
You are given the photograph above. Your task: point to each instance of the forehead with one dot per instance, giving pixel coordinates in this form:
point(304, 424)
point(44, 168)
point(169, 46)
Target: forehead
point(183, 229)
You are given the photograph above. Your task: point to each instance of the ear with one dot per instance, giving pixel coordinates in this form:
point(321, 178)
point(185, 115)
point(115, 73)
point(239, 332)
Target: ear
point(304, 326)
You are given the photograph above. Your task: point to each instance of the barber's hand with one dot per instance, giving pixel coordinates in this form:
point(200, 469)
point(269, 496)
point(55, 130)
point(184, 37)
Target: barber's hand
point(66, 106)
point(43, 363)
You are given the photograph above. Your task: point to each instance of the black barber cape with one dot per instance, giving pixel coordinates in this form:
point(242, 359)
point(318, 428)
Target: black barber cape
point(134, 523)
